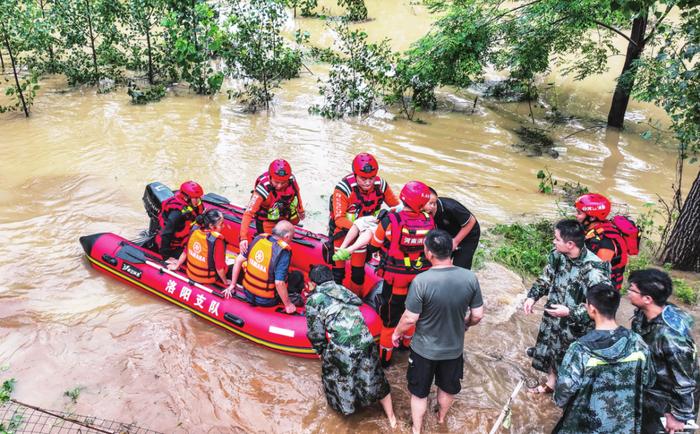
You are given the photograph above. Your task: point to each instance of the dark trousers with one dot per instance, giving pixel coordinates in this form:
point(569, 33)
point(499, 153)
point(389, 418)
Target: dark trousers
point(464, 255)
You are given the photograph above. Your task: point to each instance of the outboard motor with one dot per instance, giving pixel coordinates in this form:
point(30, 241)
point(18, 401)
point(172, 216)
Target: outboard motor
point(154, 196)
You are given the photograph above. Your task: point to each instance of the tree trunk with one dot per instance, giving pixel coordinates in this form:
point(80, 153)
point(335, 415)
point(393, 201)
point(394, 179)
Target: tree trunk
point(2, 62)
point(623, 89)
point(92, 41)
point(683, 248)
point(150, 58)
point(14, 71)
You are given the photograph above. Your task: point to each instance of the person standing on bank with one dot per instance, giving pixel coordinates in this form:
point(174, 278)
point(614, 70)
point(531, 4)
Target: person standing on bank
point(602, 379)
point(461, 224)
point(351, 372)
point(442, 303)
point(666, 329)
point(571, 269)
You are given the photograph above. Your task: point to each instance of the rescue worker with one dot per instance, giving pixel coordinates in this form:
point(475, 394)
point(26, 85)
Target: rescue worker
point(176, 216)
point(205, 255)
point(351, 373)
point(602, 237)
point(400, 236)
point(359, 194)
point(461, 224)
point(267, 280)
point(275, 197)
point(603, 375)
point(667, 330)
point(571, 269)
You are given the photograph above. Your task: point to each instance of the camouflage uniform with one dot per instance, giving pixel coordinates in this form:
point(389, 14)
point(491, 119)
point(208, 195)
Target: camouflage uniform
point(352, 376)
point(565, 281)
point(601, 383)
point(677, 386)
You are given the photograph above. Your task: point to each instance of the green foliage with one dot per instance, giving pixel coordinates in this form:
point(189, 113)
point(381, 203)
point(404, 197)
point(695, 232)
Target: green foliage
point(8, 386)
point(144, 96)
point(194, 39)
point(92, 40)
point(306, 7)
point(256, 52)
point(15, 422)
point(570, 192)
point(547, 183)
point(73, 394)
point(524, 247)
point(360, 76)
point(685, 292)
point(671, 79)
point(146, 42)
point(355, 9)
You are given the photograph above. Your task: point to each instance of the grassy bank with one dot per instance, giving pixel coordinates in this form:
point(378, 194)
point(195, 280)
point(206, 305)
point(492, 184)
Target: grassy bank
point(523, 248)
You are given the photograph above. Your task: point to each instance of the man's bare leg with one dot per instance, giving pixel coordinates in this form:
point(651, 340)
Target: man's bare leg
point(445, 401)
point(418, 408)
point(388, 409)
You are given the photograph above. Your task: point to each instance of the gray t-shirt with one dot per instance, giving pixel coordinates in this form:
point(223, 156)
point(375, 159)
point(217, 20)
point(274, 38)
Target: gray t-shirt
point(441, 297)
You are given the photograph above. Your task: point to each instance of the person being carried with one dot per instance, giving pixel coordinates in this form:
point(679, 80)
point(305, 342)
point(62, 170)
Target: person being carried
point(442, 303)
point(571, 269)
point(400, 236)
point(667, 331)
point(351, 373)
point(603, 376)
point(359, 194)
point(359, 235)
point(275, 197)
point(267, 280)
point(205, 255)
point(175, 219)
point(460, 223)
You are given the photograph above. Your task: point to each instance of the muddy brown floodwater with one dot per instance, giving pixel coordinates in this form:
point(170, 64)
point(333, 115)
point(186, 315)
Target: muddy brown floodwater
point(80, 163)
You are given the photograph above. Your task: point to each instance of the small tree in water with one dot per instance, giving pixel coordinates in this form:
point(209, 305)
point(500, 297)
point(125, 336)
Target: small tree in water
point(18, 37)
point(257, 54)
point(360, 75)
point(194, 39)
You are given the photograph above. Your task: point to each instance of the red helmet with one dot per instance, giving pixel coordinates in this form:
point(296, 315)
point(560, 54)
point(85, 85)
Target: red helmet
point(415, 195)
point(192, 189)
point(365, 165)
point(594, 205)
point(280, 171)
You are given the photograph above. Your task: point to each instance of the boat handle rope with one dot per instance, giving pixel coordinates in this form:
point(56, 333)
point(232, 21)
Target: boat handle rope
point(189, 281)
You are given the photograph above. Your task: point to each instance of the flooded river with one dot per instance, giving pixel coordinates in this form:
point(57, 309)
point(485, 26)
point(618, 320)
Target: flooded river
point(80, 163)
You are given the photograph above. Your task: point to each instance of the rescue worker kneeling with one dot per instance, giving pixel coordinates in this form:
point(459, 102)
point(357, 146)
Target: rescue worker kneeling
point(400, 236)
point(267, 280)
point(205, 255)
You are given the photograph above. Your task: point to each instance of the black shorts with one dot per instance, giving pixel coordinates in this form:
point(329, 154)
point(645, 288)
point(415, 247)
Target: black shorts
point(421, 371)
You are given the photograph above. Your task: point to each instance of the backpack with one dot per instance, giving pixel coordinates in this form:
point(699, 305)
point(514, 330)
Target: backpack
point(630, 233)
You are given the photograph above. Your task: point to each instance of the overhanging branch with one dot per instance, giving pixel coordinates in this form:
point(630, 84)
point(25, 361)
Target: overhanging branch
point(615, 30)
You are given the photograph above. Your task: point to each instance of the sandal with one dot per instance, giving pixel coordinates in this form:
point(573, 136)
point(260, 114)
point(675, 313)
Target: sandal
point(542, 389)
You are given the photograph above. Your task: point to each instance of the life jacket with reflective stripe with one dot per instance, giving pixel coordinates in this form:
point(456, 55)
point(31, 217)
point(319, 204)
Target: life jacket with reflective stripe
point(360, 203)
point(600, 230)
point(177, 204)
point(200, 255)
point(285, 203)
point(403, 254)
point(263, 255)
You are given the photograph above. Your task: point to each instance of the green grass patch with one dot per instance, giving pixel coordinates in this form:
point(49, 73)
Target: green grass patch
point(685, 292)
point(523, 247)
point(73, 394)
point(8, 386)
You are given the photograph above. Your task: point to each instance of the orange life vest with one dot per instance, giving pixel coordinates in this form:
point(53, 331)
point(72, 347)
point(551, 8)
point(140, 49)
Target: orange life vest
point(200, 255)
point(283, 204)
point(360, 203)
point(403, 254)
point(600, 230)
point(263, 255)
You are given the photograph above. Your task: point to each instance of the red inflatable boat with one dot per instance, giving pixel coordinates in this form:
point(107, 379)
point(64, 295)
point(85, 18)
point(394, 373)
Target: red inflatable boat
point(271, 327)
